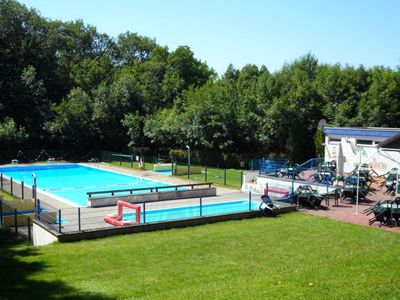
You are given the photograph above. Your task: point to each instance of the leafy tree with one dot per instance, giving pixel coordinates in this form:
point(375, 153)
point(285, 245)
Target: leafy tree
point(11, 135)
point(72, 126)
point(89, 73)
point(133, 47)
point(319, 140)
point(134, 123)
point(380, 105)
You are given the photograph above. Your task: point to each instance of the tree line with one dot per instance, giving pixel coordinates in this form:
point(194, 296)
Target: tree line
point(66, 85)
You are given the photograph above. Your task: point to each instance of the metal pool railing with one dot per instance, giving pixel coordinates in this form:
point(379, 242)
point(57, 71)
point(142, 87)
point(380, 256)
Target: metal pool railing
point(150, 189)
point(80, 219)
point(16, 189)
point(17, 221)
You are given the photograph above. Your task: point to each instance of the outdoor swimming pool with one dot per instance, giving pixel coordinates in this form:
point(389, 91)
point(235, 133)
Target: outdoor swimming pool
point(71, 182)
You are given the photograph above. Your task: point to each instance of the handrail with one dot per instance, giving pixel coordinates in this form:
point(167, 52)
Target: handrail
point(311, 163)
point(156, 188)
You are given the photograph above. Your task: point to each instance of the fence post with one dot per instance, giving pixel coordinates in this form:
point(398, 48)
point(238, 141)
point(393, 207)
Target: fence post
point(15, 221)
point(29, 229)
point(249, 200)
point(11, 187)
point(79, 219)
point(59, 220)
point(201, 206)
point(205, 174)
point(144, 212)
point(1, 180)
point(241, 179)
point(224, 176)
point(37, 210)
point(22, 189)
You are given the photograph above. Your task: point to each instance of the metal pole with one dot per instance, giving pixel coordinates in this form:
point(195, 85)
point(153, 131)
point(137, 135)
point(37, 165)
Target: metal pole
point(358, 181)
point(241, 179)
point(38, 209)
point(292, 181)
point(22, 189)
point(188, 147)
point(249, 200)
point(224, 176)
point(201, 206)
point(1, 180)
point(11, 186)
point(144, 212)
point(206, 174)
point(397, 184)
point(327, 185)
point(79, 219)
point(59, 220)
point(34, 186)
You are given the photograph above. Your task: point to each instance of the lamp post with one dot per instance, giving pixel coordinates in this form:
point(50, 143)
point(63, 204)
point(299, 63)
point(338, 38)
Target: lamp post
point(188, 147)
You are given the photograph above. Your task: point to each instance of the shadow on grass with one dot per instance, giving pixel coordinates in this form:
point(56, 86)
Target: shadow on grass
point(15, 282)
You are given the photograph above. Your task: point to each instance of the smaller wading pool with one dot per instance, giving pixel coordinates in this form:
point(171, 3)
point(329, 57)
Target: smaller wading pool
point(165, 172)
point(192, 211)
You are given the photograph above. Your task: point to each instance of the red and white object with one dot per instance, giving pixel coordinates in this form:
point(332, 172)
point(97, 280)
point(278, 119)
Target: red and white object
point(118, 220)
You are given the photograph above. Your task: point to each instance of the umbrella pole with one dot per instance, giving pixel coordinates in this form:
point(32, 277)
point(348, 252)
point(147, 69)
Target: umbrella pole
point(358, 182)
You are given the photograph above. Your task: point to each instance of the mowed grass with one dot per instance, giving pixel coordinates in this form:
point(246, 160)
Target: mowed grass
point(214, 175)
point(294, 256)
point(7, 196)
point(217, 176)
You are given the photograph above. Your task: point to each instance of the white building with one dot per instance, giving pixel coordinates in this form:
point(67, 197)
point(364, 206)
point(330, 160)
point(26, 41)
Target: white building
point(378, 147)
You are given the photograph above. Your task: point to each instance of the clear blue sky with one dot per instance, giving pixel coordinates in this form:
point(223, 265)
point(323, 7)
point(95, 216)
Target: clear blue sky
point(259, 32)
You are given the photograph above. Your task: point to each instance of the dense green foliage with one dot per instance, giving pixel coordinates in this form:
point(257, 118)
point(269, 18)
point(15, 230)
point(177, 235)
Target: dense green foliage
point(64, 84)
point(295, 256)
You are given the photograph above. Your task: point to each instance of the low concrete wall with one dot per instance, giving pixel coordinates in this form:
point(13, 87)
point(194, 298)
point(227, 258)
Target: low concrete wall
point(42, 236)
point(93, 234)
point(152, 197)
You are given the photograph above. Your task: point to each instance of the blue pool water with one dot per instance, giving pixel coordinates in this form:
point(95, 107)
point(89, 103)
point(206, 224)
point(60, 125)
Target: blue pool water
point(73, 181)
point(193, 211)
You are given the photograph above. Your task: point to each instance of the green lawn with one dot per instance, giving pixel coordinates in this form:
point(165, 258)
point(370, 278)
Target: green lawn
point(6, 196)
point(294, 256)
point(215, 175)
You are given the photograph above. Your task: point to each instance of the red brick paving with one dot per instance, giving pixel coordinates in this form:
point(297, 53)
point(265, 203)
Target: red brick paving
point(346, 211)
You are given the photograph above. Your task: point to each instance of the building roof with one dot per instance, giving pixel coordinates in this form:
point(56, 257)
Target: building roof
point(362, 131)
point(392, 142)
